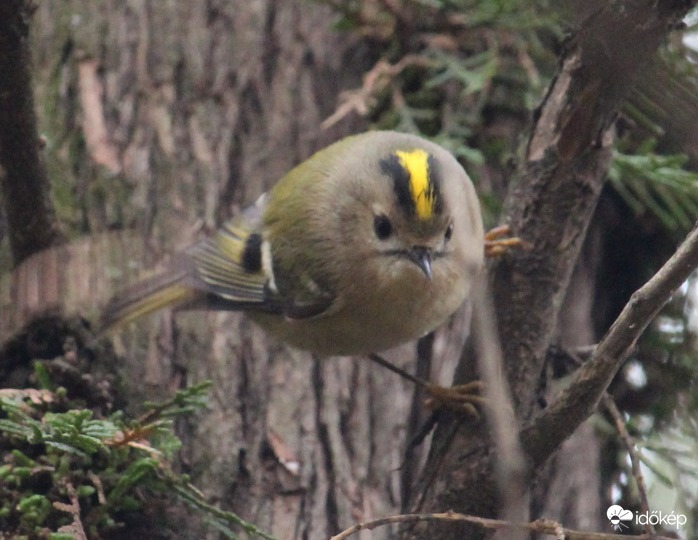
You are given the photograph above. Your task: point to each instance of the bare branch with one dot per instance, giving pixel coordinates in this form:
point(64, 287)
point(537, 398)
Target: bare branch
point(580, 398)
point(577, 357)
point(629, 443)
point(540, 526)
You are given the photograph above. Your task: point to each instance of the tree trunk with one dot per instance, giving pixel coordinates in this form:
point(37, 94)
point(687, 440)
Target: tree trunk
point(24, 184)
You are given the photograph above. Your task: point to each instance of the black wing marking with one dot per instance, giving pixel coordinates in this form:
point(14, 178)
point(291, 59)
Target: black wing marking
point(231, 268)
point(229, 265)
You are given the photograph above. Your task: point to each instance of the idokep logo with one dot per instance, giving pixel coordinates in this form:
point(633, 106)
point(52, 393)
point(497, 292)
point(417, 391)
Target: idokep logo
point(616, 514)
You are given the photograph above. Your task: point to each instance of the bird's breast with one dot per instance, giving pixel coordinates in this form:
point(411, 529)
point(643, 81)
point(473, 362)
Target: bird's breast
point(369, 318)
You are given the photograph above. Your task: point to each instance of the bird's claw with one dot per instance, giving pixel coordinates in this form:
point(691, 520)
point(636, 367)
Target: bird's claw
point(497, 242)
point(462, 398)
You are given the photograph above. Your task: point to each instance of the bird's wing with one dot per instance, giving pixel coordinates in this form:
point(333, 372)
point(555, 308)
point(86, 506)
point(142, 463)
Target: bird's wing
point(228, 266)
point(234, 269)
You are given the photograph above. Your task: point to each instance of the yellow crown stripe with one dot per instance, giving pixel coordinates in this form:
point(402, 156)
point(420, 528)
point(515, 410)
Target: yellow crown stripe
point(416, 163)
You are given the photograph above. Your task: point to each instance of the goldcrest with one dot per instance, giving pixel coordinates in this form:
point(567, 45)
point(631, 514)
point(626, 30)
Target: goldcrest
point(371, 242)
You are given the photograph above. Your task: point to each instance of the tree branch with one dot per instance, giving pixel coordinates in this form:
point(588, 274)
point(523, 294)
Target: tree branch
point(550, 204)
point(580, 398)
point(540, 526)
point(567, 158)
point(31, 218)
point(617, 416)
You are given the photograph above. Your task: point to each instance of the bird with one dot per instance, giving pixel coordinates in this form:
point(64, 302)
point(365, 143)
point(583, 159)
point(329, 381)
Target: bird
point(372, 242)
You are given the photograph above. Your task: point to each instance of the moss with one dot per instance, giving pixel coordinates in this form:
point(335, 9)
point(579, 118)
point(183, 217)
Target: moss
point(72, 460)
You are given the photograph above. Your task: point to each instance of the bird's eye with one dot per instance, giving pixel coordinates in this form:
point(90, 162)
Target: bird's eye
point(382, 227)
point(449, 232)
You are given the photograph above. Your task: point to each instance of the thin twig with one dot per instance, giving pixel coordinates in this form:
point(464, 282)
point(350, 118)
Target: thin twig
point(511, 468)
point(577, 356)
point(629, 443)
point(73, 508)
point(376, 80)
point(540, 526)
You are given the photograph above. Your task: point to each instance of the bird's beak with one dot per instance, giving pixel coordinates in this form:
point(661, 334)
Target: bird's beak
point(421, 256)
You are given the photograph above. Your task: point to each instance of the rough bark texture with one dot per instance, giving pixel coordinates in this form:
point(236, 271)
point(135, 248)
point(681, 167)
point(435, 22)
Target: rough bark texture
point(550, 203)
point(31, 218)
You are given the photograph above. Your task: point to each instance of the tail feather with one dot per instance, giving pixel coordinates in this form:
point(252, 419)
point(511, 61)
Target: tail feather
point(147, 296)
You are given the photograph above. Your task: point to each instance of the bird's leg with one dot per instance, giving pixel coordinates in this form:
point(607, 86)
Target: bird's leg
point(497, 241)
point(461, 398)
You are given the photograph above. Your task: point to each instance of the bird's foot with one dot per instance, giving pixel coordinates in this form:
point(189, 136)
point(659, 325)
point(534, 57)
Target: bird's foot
point(462, 398)
point(497, 241)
